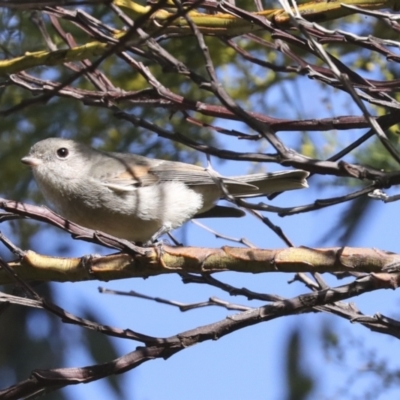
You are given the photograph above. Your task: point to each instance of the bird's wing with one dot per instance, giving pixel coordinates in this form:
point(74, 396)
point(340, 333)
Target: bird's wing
point(128, 172)
point(132, 171)
point(181, 172)
point(193, 175)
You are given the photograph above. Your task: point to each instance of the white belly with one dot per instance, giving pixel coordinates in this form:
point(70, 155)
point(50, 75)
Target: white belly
point(133, 215)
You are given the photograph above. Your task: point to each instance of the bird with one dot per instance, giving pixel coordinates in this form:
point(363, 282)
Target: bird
point(137, 198)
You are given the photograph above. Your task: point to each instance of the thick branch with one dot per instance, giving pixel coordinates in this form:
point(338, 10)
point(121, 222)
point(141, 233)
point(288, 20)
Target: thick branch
point(33, 266)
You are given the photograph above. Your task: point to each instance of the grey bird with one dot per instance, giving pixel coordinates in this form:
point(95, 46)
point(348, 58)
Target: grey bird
point(138, 198)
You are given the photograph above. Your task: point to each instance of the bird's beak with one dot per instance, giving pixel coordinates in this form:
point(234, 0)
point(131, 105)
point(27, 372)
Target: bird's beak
point(31, 161)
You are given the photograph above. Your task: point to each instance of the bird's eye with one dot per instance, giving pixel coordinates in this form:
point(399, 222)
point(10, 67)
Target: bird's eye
point(62, 152)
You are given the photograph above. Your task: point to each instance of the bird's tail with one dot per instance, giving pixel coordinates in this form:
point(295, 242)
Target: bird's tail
point(266, 183)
